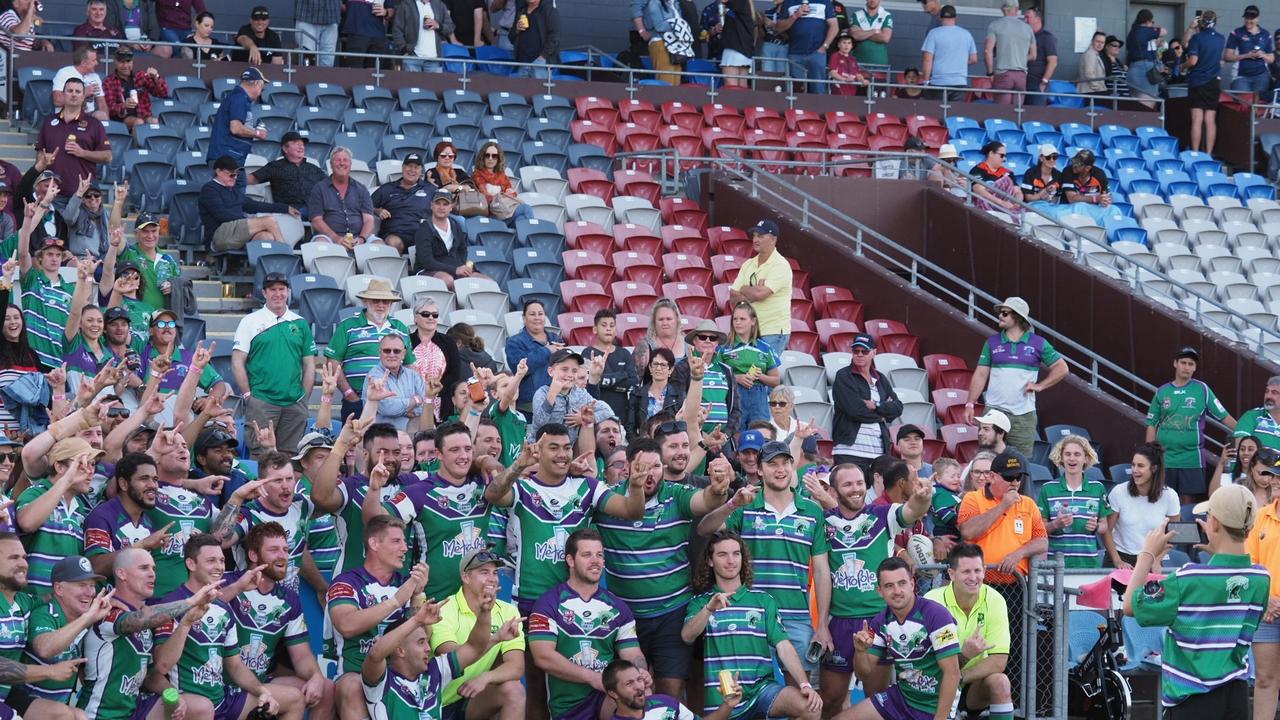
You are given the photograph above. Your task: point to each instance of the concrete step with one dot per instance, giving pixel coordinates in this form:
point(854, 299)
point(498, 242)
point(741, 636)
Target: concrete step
point(238, 306)
point(218, 325)
point(194, 272)
point(207, 289)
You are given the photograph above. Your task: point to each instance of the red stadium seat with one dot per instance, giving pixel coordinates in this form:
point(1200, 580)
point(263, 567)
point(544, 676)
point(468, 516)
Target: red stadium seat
point(590, 182)
point(690, 147)
point(577, 327)
point(802, 309)
point(806, 121)
point(799, 277)
point(901, 343)
point(933, 449)
point(850, 310)
point(980, 83)
point(632, 296)
point(637, 238)
point(944, 399)
point(836, 335)
point(761, 138)
point(884, 143)
point(681, 211)
point(588, 265)
point(932, 136)
point(875, 120)
point(725, 116)
point(766, 119)
point(593, 133)
point(824, 293)
point(893, 131)
point(957, 378)
point(838, 120)
point(640, 112)
point(685, 268)
point(638, 183)
point(725, 267)
point(805, 341)
point(583, 235)
point(584, 297)
point(881, 326)
point(916, 122)
point(678, 238)
point(961, 441)
point(678, 113)
point(938, 362)
point(720, 292)
point(714, 137)
point(730, 241)
point(638, 267)
point(632, 327)
point(725, 324)
point(598, 110)
point(690, 298)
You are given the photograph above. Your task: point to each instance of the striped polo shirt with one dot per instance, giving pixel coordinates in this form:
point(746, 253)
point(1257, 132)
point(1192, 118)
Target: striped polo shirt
point(782, 544)
point(1014, 364)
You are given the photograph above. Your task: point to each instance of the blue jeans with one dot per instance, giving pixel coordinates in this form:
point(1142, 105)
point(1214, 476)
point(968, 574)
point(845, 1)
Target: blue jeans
point(777, 343)
point(1258, 84)
point(173, 36)
point(753, 402)
point(320, 38)
point(800, 633)
point(413, 64)
point(810, 66)
point(527, 70)
point(778, 51)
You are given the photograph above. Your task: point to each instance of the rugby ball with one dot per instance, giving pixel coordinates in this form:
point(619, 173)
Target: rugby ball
point(921, 549)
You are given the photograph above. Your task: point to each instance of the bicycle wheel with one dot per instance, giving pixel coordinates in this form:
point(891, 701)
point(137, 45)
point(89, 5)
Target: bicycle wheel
point(1119, 696)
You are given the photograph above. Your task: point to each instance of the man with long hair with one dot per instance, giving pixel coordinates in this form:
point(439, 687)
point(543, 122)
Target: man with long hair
point(743, 631)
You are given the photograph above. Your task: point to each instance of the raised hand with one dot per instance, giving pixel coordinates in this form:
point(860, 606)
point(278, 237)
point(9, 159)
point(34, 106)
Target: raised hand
point(161, 365)
point(528, 457)
point(377, 390)
point(818, 490)
point(203, 354)
point(266, 436)
point(210, 485)
point(522, 369)
point(83, 186)
point(328, 379)
point(249, 491)
point(583, 465)
point(720, 472)
point(378, 478)
point(155, 540)
point(510, 630)
point(864, 638)
point(428, 614)
point(58, 378)
point(745, 496)
point(100, 606)
point(976, 644)
point(716, 438)
point(719, 601)
point(697, 366)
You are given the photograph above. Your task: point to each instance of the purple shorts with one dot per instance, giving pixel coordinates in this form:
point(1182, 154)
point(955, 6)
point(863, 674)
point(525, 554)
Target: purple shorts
point(842, 632)
point(892, 706)
point(588, 709)
point(232, 705)
point(144, 708)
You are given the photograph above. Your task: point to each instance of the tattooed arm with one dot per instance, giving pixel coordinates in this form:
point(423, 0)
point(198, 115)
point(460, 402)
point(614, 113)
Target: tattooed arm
point(151, 617)
point(13, 672)
point(224, 525)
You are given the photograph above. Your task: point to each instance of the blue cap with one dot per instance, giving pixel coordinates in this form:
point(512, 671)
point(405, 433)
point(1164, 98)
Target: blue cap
point(253, 74)
point(765, 227)
point(751, 440)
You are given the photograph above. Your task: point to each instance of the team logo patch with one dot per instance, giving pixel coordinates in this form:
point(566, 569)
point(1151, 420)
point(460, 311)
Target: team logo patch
point(340, 590)
point(1236, 586)
point(539, 623)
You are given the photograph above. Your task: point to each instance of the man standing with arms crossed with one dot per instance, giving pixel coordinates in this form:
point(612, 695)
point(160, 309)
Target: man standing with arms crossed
point(765, 282)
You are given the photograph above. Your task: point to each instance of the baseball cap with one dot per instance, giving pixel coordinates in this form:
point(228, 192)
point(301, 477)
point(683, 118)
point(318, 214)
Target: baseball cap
point(6, 441)
point(48, 175)
point(273, 278)
point(563, 354)
point(908, 429)
point(213, 437)
point(73, 568)
point(253, 74)
point(1188, 352)
point(1233, 505)
point(4, 187)
point(764, 227)
point(948, 152)
point(751, 440)
point(412, 159)
point(127, 266)
point(294, 135)
point(1251, 11)
point(124, 53)
point(774, 449)
point(260, 13)
point(947, 11)
point(864, 341)
point(1048, 149)
point(313, 441)
point(162, 312)
point(1009, 464)
point(479, 558)
point(809, 445)
point(71, 448)
point(442, 195)
point(1018, 306)
point(145, 219)
point(996, 418)
point(116, 313)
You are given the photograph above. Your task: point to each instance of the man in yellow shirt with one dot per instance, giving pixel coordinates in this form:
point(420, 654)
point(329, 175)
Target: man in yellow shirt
point(765, 282)
point(982, 621)
point(489, 687)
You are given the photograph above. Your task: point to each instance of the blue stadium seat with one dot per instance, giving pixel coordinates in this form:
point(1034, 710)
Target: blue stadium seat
point(321, 123)
point(162, 141)
point(363, 145)
point(457, 52)
point(284, 95)
point(590, 156)
point(221, 361)
point(489, 52)
point(1034, 129)
point(148, 172)
point(1258, 192)
point(522, 289)
point(424, 103)
point(509, 104)
point(192, 165)
point(193, 330)
point(503, 129)
point(463, 129)
point(539, 264)
point(1125, 176)
point(1168, 178)
point(540, 153)
point(321, 306)
point(37, 93)
point(1060, 87)
point(1082, 634)
point(549, 132)
point(374, 98)
point(182, 197)
point(1142, 645)
point(1054, 433)
point(553, 107)
point(490, 263)
point(278, 119)
point(539, 235)
point(328, 96)
point(306, 281)
point(221, 86)
point(173, 114)
point(188, 91)
point(207, 111)
point(366, 122)
point(976, 135)
point(318, 150)
point(407, 122)
point(121, 143)
point(1120, 473)
point(266, 257)
point(492, 234)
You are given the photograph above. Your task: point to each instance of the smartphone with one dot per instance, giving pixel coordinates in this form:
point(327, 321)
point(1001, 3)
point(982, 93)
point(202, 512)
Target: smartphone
point(1199, 13)
point(1187, 533)
point(475, 390)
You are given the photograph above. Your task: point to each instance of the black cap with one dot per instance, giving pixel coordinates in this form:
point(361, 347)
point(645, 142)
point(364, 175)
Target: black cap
point(1269, 459)
point(1188, 352)
point(47, 242)
point(273, 278)
point(73, 568)
point(125, 266)
point(260, 13)
point(1009, 464)
point(412, 159)
point(213, 437)
point(1114, 39)
point(226, 162)
point(116, 313)
point(1251, 11)
point(908, 429)
point(563, 354)
point(93, 188)
point(293, 135)
point(124, 53)
point(773, 449)
point(145, 219)
point(4, 187)
point(442, 194)
point(947, 11)
point(864, 341)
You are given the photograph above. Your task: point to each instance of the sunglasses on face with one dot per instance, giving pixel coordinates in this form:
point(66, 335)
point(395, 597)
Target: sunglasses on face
point(491, 155)
point(392, 351)
point(93, 196)
point(446, 156)
point(166, 324)
point(427, 314)
point(1002, 154)
point(8, 457)
point(672, 426)
point(778, 403)
point(861, 351)
point(707, 338)
point(1004, 313)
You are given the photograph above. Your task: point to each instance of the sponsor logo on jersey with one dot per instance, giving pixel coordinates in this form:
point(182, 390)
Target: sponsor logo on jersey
point(340, 590)
point(539, 623)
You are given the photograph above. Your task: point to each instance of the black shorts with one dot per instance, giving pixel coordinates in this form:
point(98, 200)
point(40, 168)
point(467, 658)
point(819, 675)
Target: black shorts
point(1186, 481)
point(660, 641)
point(19, 700)
point(1228, 702)
point(1204, 97)
point(454, 711)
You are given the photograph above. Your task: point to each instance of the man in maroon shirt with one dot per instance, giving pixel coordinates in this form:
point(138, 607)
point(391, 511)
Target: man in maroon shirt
point(79, 139)
point(175, 18)
point(95, 25)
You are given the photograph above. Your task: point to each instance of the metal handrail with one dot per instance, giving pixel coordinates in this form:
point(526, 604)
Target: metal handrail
point(919, 271)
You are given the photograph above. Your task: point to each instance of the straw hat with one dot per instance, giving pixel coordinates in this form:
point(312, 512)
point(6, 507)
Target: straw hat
point(378, 289)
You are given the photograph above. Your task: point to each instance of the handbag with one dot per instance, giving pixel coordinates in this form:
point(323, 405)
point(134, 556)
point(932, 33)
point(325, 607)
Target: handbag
point(470, 202)
point(503, 206)
point(678, 41)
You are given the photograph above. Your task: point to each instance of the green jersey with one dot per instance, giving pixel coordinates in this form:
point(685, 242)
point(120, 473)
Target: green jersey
point(1077, 544)
point(45, 306)
point(266, 624)
point(322, 537)
point(871, 52)
point(782, 542)
point(591, 632)
point(395, 697)
point(296, 521)
point(945, 511)
point(154, 274)
point(542, 519)
point(61, 535)
point(355, 345)
point(275, 347)
point(350, 519)
point(914, 646)
point(739, 638)
point(647, 560)
point(858, 546)
point(115, 666)
point(15, 619)
point(447, 521)
point(46, 618)
point(1212, 612)
point(742, 357)
point(362, 590)
point(511, 428)
point(191, 513)
point(199, 668)
point(1259, 423)
point(1178, 415)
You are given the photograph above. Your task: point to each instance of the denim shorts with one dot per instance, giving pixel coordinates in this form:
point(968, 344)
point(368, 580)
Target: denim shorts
point(1268, 632)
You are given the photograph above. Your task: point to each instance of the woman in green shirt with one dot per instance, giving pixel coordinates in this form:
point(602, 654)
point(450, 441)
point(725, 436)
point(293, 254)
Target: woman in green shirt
point(754, 365)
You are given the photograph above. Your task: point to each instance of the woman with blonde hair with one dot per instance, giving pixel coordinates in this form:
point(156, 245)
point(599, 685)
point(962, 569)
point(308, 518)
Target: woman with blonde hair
point(664, 331)
point(490, 178)
point(1074, 508)
point(754, 365)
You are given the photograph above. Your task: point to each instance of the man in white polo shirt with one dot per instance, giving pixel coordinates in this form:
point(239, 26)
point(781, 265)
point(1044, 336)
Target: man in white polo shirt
point(765, 282)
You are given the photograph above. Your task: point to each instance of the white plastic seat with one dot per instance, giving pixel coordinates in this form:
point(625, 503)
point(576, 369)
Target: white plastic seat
point(1189, 207)
point(1157, 210)
point(887, 362)
point(389, 170)
point(919, 413)
point(588, 208)
point(546, 207)
point(1154, 225)
point(381, 260)
point(414, 287)
point(1235, 214)
point(481, 294)
point(323, 258)
point(910, 378)
point(637, 211)
point(832, 362)
point(1176, 236)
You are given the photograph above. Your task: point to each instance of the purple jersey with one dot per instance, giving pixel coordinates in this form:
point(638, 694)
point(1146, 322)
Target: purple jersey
point(265, 621)
point(109, 529)
point(395, 696)
point(360, 589)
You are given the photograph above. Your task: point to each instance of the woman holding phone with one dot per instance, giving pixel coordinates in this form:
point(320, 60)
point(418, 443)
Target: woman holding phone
point(1233, 463)
point(1075, 510)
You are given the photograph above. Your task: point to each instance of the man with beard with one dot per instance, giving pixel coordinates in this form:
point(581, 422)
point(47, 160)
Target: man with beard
point(364, 602)
point(743, 632)
point(624, 685)
point(576, 628)
point(786, 535)
point(273, 497)
point(993, 426)
point(215, 454)
point(53, 510)
point(119, 663)
point(916, 639)
point(447, 513)
point(56, 626)
point(488, 442)
point(982, 621)
point(269, 620)
point(608, 439)
point(861, 537)
point(15, 612)
point(345, 499)
point(648, 562)
point(400, 677)
point(123, 521)
point(354, 349)
point(210, 654)
point(491, 685)
point(183, 503)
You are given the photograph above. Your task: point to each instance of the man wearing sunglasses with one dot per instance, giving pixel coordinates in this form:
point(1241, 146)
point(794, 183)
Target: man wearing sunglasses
point(355, 349)
point(164, 342)
point(400, 392)
point(1008, 370)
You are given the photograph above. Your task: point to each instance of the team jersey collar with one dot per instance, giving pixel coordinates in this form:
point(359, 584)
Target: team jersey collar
point(1230, 560)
